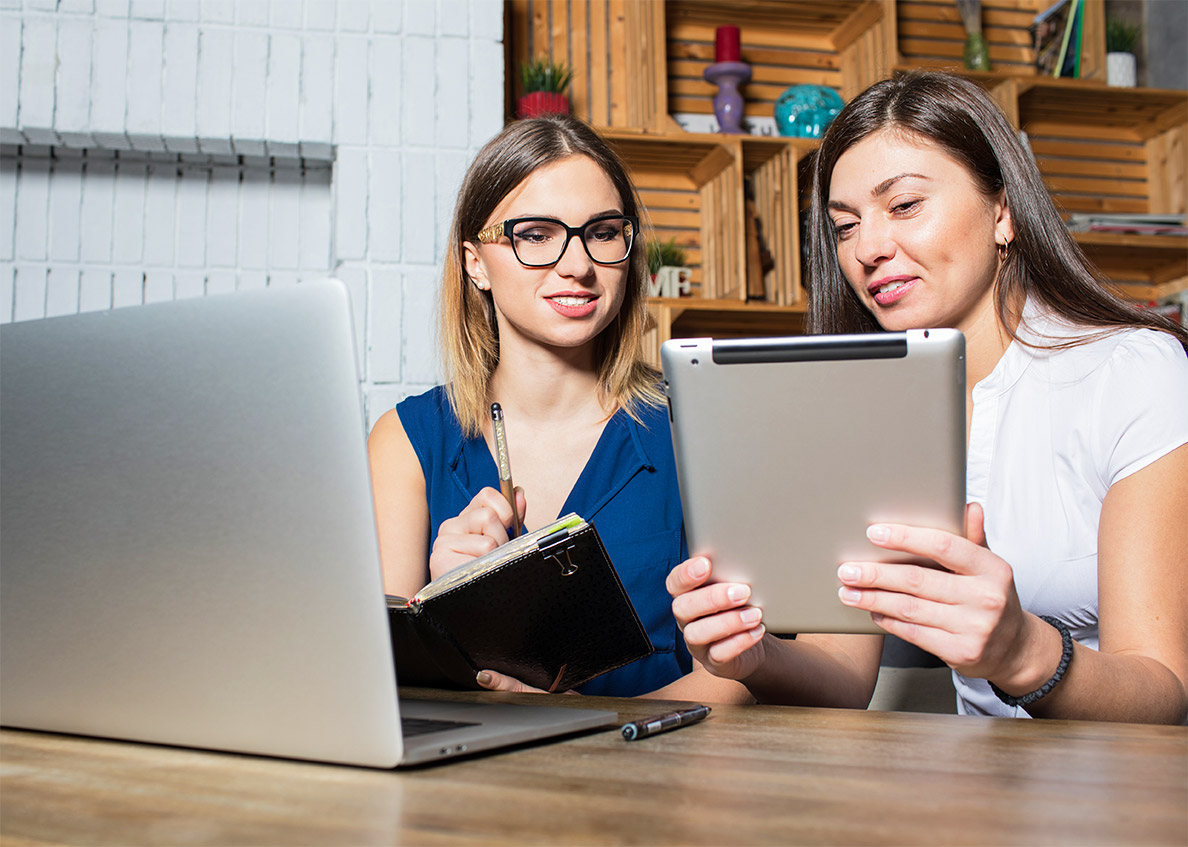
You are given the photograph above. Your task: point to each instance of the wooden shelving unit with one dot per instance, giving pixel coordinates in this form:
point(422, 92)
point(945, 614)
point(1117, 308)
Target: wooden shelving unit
point(638, 62)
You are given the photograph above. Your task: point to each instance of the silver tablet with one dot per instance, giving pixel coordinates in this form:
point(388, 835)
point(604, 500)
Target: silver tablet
point(788, 448)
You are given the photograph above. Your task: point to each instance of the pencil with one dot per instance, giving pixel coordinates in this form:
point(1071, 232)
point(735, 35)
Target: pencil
point(505, 477)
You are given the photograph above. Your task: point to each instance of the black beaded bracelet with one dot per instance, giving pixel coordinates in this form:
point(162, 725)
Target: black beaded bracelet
point(1045, 689)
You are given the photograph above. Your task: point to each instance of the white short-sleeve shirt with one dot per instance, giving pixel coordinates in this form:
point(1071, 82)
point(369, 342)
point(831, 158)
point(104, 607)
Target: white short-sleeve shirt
point(1051, 431)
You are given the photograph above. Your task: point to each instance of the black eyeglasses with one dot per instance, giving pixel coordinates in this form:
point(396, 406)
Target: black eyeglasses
point(540, 242)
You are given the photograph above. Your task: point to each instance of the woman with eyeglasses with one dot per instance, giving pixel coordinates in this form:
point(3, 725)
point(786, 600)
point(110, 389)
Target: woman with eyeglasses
point(542, 309)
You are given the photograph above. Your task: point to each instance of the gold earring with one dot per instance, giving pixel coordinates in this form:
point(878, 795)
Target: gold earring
point(1002, 251)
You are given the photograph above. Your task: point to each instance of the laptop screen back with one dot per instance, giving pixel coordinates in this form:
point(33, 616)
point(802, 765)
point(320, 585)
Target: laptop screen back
point(185, 497)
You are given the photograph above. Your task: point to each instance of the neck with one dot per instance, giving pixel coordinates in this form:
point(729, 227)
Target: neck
point(986, 340)
point(555, 385)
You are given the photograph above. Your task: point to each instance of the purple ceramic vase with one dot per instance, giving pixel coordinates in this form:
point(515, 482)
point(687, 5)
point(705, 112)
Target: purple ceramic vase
point(728, 102)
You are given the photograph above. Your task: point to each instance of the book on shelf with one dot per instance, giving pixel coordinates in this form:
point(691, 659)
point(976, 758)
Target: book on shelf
point(547, 608)
point(1056, 39)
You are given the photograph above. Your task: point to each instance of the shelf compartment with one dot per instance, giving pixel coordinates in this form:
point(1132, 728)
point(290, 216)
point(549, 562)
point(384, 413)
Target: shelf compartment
point(1106, 149)
point(930, 34)
point(843, 44)
point(615, 48)
point(691, 189)
point(772, 166)
point(1145, 267)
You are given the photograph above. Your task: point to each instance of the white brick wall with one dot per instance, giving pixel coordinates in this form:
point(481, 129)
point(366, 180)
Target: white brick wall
point(159, 149)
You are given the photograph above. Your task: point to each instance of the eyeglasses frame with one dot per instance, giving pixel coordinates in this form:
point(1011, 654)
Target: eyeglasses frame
point(504, 228)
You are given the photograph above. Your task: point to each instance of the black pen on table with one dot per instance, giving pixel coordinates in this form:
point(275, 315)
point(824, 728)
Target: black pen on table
point(663, 723)
point(505, 477)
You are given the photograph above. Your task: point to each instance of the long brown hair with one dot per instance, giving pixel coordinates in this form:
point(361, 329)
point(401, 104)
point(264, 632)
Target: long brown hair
point(1043, 261)
point(466, 316)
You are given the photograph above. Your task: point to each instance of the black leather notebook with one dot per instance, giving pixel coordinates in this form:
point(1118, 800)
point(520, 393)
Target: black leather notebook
point(546, 608)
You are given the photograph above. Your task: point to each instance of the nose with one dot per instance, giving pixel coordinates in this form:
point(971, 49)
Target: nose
point(874, 243)
point(574, 261)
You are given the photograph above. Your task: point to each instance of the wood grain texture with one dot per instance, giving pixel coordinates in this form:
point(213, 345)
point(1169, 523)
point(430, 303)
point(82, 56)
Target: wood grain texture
point(747, 775)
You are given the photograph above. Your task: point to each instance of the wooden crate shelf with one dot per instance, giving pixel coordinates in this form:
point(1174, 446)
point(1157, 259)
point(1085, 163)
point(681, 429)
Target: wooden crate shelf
point(638, 62)
point(691, 190)
point(1106, 149)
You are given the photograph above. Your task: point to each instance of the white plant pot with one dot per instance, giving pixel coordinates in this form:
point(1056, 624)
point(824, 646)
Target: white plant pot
point(1121, 70)
point(672, 282)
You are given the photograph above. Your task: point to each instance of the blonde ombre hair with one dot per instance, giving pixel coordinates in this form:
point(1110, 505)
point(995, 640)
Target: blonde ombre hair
point(466, 316)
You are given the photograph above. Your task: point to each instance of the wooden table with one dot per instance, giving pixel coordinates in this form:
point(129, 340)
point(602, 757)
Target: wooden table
point(747, 775)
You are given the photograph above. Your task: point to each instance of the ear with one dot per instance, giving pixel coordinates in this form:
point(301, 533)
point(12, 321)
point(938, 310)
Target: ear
point(1004, 227)
point(475, 269)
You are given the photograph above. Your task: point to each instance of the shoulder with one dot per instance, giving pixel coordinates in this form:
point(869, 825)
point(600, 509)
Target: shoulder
point(1140, 407)
point(1146, 372)
point(387, 435)
point(1150, 348)
point(649, 420)
point(415, 420)
point(423, 414)
point(431, 403)
point(1144, 355)
point(1101, 352)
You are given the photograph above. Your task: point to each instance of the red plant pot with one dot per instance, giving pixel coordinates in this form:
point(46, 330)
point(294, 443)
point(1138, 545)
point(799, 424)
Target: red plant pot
point(542, 102)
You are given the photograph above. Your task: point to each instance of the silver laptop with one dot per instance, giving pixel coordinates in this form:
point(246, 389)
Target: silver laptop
point(788, 448)
point(188, 552)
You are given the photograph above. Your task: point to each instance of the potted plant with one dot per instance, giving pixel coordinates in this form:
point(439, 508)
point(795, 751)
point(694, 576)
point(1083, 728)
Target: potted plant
point(666, 264)
point(545, 86)
point(1121, 39)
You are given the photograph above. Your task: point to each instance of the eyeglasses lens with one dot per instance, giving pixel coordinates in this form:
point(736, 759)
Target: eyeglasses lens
point(541, 242)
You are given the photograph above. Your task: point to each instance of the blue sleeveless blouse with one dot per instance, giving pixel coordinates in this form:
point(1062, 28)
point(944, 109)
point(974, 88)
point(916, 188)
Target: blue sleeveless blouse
point(628, 489)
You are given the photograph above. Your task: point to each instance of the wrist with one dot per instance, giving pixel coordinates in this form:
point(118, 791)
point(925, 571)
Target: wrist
point(764, 671)
point(1032, 658)
point(1023, 691)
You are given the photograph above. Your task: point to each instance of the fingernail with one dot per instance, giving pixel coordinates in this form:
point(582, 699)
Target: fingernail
point(878, 533)
point(698, 568)
point(751, 615)
point(848, 573)
point(483, 678)
point(738, 593)
point(849, 596)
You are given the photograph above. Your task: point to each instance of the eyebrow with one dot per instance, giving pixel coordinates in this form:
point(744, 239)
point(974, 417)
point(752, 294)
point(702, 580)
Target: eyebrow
point(879, 190)
point(603, 214)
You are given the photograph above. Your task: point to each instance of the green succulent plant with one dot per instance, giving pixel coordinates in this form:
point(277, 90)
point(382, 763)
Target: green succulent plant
point(1121, 37)
point(544, 75)
point(664, 254)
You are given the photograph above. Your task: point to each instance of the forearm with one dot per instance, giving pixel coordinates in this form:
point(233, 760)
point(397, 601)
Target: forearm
point(817, 670)
point(1114, 687)
point(701, 686)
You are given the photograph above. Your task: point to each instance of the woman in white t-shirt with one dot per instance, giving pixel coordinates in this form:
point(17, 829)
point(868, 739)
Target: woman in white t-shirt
point(1070, 598)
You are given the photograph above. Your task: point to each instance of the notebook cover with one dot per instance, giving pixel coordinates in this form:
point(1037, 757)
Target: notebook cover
point(554, 617)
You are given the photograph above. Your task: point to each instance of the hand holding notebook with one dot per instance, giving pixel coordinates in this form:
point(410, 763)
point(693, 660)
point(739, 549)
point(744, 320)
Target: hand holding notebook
point(546, 608)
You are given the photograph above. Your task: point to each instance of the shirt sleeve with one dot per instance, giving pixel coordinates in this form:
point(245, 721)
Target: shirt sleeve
point(1142, 403)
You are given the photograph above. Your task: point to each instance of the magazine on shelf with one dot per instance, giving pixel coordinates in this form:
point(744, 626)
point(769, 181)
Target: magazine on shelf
point(1138, 223)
